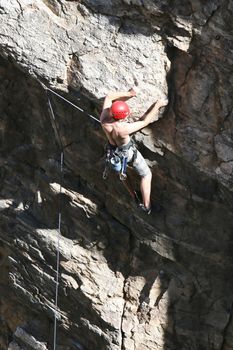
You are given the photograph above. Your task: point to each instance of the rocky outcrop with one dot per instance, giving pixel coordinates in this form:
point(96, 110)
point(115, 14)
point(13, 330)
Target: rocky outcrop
point(126, 281)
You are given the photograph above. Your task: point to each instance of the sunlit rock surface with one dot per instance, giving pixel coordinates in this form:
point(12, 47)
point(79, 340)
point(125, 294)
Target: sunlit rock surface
point(126, 281)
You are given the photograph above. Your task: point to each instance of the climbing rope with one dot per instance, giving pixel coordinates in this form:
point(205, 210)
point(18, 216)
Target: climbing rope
point(72, 104)
point(58, 253)
point(54, 124)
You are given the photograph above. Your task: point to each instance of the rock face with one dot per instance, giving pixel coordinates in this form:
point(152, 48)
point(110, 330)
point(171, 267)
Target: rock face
point(126, 281)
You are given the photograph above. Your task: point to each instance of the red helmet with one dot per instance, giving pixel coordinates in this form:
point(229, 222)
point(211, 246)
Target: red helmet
point(120, 110)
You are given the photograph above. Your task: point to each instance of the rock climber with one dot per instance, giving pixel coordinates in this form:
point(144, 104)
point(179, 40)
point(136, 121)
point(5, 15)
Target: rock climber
point(118, 130)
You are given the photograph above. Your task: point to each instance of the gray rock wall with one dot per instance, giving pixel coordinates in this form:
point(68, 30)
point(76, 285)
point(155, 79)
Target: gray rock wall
point(126, 281)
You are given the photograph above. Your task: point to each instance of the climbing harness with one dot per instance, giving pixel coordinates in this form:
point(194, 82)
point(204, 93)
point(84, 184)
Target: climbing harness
point(117, 157)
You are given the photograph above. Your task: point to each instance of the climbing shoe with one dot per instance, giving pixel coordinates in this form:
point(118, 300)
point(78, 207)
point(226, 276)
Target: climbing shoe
point(146, 210)
point(155, 207)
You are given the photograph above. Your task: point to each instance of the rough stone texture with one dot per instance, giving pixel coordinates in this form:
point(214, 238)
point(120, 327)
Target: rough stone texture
point(126, 281)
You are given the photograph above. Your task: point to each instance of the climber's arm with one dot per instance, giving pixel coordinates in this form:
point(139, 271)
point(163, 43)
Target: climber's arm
point(119, 95)
point(150, 117)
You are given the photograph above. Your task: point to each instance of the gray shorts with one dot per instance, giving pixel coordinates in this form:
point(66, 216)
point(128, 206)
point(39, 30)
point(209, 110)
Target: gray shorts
point(139, 163)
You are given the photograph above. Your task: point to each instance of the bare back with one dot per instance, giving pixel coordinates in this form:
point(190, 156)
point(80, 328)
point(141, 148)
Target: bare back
point(114, 131)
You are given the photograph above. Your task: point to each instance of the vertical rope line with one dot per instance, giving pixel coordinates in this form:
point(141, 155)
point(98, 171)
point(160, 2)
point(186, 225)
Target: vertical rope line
point(58, 137)
point(58, 251)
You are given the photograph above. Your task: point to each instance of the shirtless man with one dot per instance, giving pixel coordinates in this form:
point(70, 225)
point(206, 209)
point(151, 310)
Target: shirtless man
point(118, 133)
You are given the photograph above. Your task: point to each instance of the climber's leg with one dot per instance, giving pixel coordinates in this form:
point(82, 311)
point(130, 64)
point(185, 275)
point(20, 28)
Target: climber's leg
point(144, 172)
point(145, 187)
